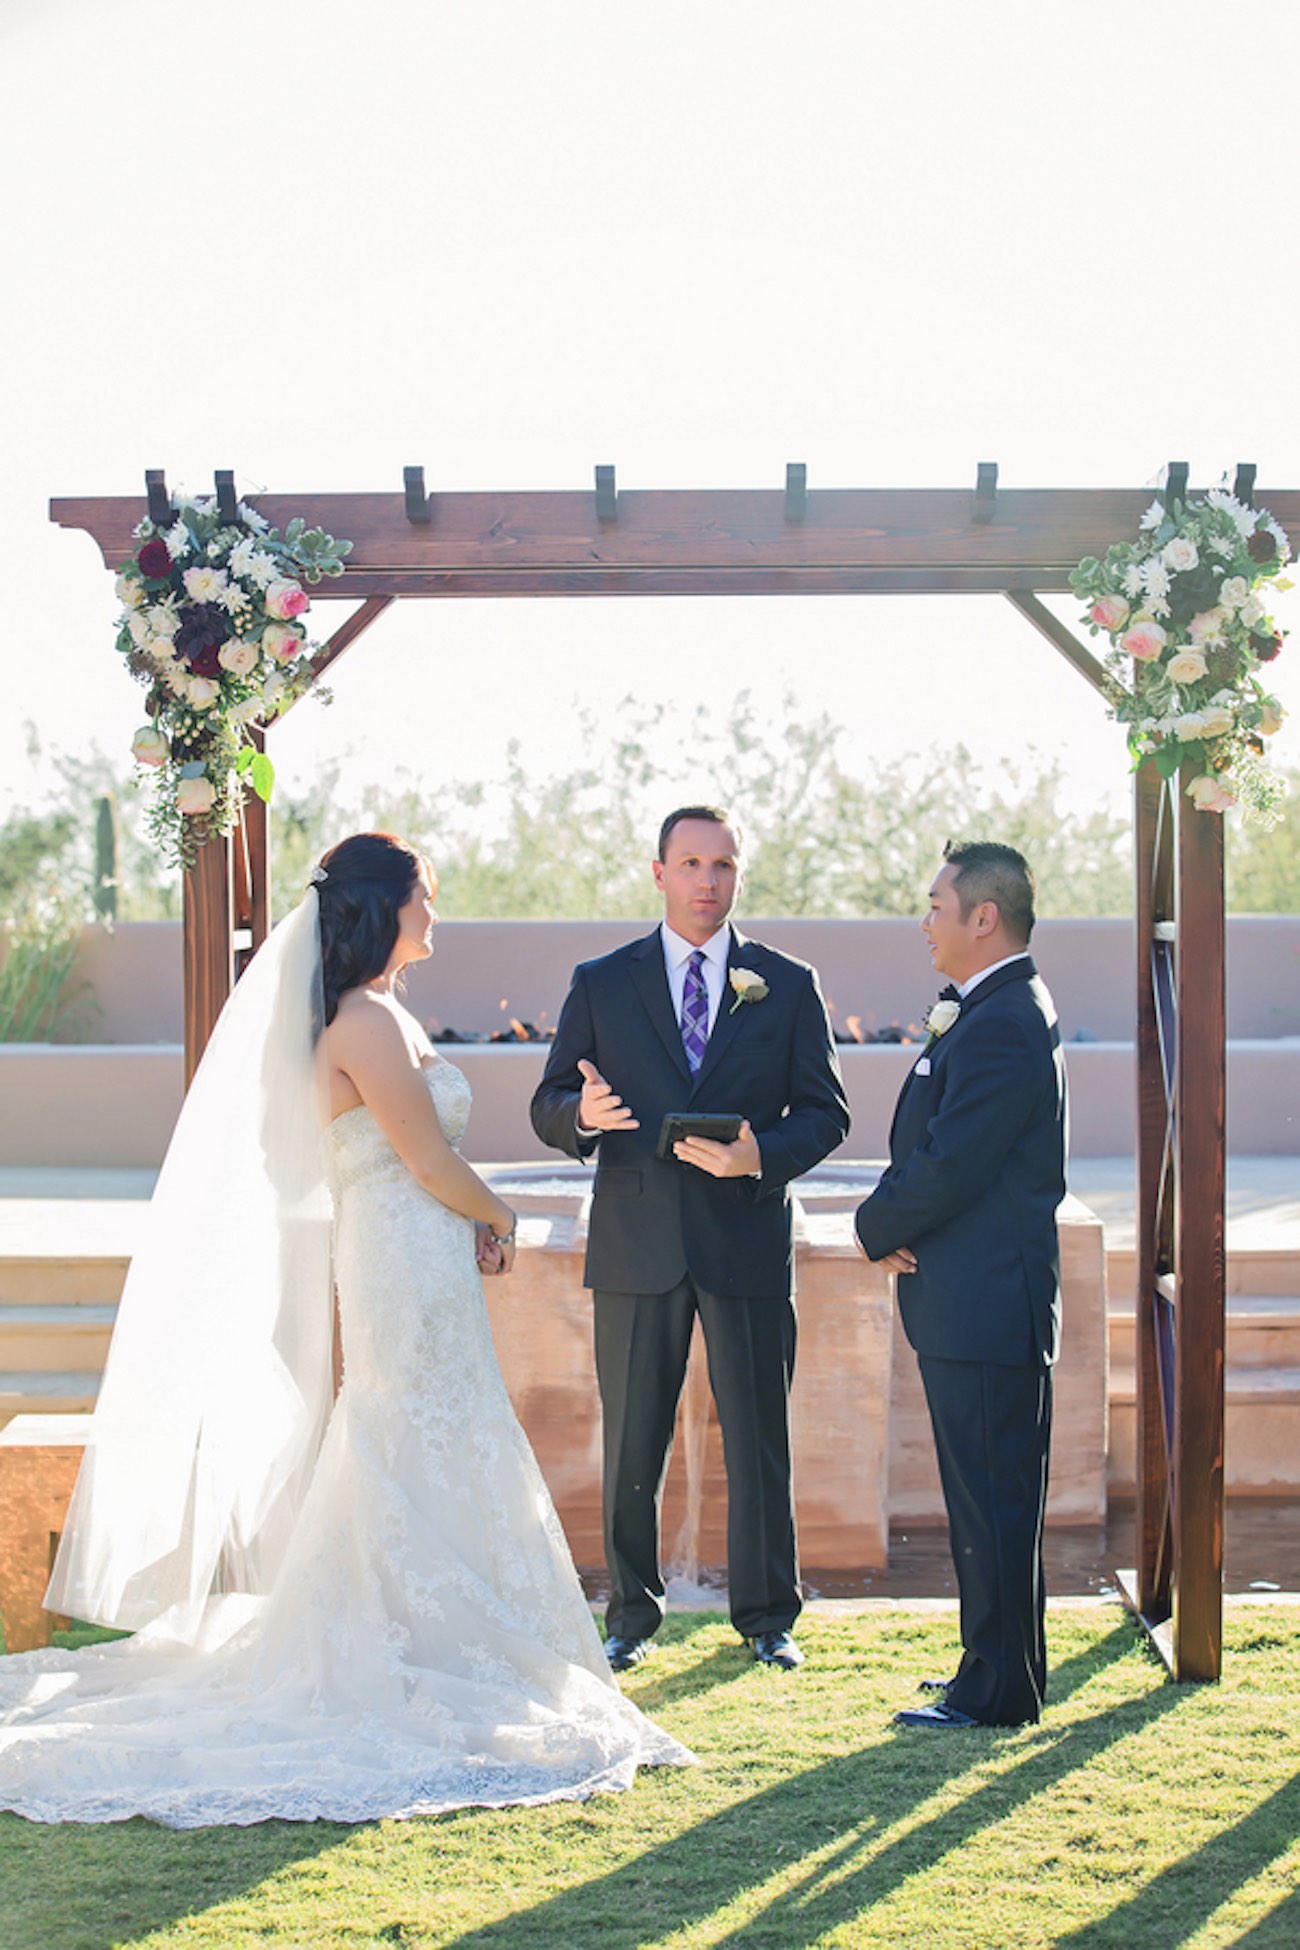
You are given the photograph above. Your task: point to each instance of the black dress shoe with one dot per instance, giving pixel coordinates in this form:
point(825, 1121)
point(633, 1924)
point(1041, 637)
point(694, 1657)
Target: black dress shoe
point(776, 1649)
point(934, 1685)
point(623, 1654)
point(934, 1716)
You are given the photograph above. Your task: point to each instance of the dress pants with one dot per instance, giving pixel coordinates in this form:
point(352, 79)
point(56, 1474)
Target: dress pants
point(642, 1345)
point(992, 1428)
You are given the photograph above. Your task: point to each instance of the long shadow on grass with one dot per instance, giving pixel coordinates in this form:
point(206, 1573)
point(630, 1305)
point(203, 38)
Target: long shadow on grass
point(1191, 1889)
point(853, 1796)
point(121, 1880)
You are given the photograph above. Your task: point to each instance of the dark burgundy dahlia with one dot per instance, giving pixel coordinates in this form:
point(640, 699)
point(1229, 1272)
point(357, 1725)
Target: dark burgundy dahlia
point(204, 628)
point(154, 559)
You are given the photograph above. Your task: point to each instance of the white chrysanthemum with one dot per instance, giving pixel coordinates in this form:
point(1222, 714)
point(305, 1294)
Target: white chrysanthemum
point(241, 556)
point(178, 540)
point(1155, 577)
point(1280, 537)
point(1132, 583)
point(204, 585)
point(1153, 517)
point(234, 598)
point(1207, 628)
point(1245, 520)
point(251, 518)
point(1227, 504)
point(1219, 545)
point(263, 569)
point(164, 617)
point(1157, 605)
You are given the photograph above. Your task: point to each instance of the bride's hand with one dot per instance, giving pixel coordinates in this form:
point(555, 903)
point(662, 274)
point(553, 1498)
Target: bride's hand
point(486, 1250)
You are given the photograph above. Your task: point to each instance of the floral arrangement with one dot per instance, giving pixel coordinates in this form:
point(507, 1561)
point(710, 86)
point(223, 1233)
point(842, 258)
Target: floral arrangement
point(1189, 638)
point(212, 625)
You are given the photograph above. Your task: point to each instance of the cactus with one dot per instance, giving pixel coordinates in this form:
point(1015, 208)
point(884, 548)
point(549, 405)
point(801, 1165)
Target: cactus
point(105, 883)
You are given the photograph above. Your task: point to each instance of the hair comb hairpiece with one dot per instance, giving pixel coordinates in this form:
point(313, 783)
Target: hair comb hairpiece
point(316, 876)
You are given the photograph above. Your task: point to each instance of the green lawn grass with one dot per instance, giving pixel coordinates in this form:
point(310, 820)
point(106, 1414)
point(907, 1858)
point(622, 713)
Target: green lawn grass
point(1139, 1814)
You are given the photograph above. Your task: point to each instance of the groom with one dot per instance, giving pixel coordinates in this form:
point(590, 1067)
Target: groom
point(965, 1215)
point(695, 1018)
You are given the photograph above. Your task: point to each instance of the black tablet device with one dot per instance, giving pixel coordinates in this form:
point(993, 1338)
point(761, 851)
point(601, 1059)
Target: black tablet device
point(722, 1126)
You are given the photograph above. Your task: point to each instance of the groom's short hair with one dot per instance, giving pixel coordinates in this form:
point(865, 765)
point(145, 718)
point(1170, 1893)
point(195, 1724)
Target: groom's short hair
point(718, 814)
point(989, 871)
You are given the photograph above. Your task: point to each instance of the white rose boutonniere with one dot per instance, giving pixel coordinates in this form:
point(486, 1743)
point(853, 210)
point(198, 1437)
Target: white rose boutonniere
point(940, 1020)
point(749, 987)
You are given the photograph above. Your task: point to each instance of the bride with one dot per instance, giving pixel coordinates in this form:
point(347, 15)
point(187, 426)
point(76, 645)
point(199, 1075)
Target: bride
point(341, 1610)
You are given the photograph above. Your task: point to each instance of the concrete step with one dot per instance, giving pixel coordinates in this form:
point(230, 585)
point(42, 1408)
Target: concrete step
point(1261, 1434)
point(55, 1337)
point(1253, 1268)
point(52, 1392)
point(1263, 1331)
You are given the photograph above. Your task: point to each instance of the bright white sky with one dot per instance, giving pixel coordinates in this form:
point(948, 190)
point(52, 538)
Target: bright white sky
point(507, 241)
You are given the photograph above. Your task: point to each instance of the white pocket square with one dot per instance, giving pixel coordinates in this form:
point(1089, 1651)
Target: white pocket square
point(922, 1068)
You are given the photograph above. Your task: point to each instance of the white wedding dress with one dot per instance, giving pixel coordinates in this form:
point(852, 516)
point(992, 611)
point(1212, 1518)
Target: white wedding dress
point(425, 1644)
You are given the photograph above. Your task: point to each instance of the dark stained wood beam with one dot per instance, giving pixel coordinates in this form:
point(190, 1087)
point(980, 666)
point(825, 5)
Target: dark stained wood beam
point(1058, 635)
point(209, 970)
point(695, 542)
point(347, 633)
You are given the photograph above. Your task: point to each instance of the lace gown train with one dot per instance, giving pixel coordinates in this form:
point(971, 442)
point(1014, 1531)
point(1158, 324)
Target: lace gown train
point(426, 1644)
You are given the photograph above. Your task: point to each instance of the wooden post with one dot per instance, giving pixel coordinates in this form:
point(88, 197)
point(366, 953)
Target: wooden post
point(1198, 1474)
point(209, 961)
point(1149, 831)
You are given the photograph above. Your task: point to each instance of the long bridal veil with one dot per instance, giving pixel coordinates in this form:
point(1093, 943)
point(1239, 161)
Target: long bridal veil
point(218, 1382)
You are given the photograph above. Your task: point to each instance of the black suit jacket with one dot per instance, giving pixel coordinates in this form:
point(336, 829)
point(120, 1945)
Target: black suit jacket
point(654, 1220)
point(977, 1170)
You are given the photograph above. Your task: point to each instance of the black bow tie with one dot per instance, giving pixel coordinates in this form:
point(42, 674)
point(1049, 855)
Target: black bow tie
point(950, 994)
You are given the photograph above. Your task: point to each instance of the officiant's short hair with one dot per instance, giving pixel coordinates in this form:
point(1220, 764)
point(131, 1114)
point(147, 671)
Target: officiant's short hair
point(989, 871)
point(717, 814)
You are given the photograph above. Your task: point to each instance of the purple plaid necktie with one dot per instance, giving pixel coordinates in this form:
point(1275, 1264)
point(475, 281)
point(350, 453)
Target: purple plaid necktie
point(695, 1011)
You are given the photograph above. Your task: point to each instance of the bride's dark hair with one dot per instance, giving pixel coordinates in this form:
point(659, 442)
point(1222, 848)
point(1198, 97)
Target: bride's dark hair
point(366, 881)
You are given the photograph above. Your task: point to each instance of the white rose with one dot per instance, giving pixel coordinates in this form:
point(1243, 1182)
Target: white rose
point(1271, 716)
point(239, 658)
point(202, 691)
point(941, 1018)
point(1209, 625)
point(129, 592)
point(140, 627)
point(1186, 667)
point(1189, 727)
point(1234, 591)
point(1179, 554)
point(149, 747)
point(749, 986)
point(249, 711)
point(1218, 720)
point(273, 689)
point(195, 796)
point(1251, 612)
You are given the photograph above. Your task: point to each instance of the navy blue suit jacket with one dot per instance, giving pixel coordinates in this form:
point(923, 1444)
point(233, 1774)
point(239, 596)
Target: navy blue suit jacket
point(976, 1172)
point(772, 1061)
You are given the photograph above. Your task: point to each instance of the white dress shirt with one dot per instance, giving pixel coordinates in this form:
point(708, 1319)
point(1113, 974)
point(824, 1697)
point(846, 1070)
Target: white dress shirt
point(677, 954)
point(973, 981)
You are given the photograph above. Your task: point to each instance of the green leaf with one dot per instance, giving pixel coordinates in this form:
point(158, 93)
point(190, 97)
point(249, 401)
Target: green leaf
point(263, 774)
point(244, 758)
point(1168, 758)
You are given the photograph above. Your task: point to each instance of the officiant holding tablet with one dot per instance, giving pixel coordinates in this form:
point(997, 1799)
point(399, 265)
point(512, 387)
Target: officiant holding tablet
point(695, 1022)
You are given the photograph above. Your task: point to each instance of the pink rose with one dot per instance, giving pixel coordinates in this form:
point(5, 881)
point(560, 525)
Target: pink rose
point(149, 747)
point(1109, 613)
point(1209, 794)
point(195, 796)
point(1144, 641)
point(285, 600)
point(281, 643)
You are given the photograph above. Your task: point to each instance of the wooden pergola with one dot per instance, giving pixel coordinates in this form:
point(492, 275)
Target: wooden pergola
point(1018, 544)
